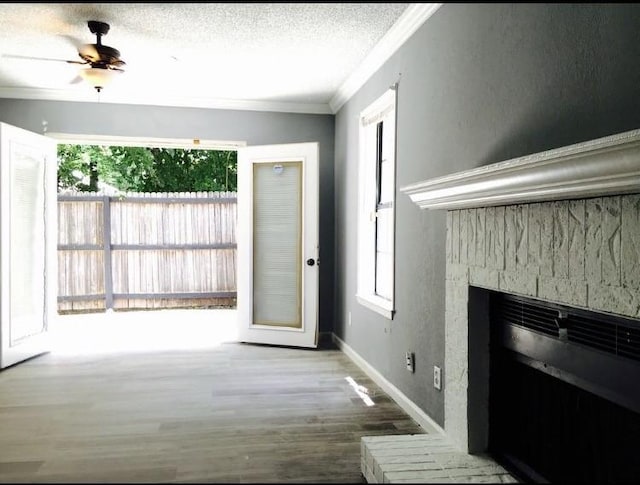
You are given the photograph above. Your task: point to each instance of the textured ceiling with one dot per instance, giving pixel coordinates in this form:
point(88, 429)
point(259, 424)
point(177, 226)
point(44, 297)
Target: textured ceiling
point(268, 52)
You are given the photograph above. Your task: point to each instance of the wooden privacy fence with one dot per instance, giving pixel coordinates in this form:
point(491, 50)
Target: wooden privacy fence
point(146, 250)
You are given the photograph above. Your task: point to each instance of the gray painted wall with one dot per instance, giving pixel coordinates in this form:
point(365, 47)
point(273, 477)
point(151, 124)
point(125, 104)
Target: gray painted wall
point(254, 127)
point(479, 83)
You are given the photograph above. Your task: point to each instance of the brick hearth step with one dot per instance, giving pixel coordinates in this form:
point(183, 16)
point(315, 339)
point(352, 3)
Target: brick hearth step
point(425, 458)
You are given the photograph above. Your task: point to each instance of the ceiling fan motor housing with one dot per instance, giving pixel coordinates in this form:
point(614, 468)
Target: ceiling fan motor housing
point(107, 57)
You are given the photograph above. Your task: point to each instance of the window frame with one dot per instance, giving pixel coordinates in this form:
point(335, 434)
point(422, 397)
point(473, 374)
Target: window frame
point(370, 186)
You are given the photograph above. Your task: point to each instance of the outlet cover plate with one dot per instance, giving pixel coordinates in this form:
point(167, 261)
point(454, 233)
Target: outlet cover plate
point(410, 362)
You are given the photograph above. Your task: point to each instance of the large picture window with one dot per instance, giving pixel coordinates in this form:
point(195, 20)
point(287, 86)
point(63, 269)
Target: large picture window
point(376, 205)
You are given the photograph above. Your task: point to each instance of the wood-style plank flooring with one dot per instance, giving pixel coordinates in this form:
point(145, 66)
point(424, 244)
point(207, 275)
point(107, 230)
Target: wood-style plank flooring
point(235, 413)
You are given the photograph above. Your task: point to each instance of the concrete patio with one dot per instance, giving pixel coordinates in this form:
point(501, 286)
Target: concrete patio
point(151, 330)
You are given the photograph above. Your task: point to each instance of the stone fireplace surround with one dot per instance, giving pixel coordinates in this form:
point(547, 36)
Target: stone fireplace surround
point(561, 226)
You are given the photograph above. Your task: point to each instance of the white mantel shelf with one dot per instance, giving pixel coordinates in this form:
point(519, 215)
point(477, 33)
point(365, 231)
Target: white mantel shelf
point(600, 167)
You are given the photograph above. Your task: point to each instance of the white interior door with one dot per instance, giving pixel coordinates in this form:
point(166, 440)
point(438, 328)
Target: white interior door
point(28, 242)
point(277, 234)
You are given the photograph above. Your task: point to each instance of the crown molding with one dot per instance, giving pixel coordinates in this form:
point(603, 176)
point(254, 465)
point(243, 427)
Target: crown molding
point(412, 18)
point(164, 100)
point(600, 167)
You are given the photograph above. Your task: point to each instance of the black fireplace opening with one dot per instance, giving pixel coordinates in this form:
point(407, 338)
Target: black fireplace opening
point(564, 392)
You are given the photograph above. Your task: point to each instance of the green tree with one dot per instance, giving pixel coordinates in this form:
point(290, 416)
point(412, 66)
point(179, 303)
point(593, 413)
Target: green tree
point(78, 167)
point(193, 170)
point(126, 168)
point(140, 169)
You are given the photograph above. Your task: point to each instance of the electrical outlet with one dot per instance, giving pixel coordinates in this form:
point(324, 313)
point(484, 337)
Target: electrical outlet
point(436, 377)
point(410, 361)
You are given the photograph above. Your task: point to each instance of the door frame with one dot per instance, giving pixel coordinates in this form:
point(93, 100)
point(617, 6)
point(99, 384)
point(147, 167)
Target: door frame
point(186, 143)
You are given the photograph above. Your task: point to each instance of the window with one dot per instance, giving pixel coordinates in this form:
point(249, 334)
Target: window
point(376, 205)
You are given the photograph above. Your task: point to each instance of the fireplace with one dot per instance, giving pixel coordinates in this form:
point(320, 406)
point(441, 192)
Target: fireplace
point(561, 227)
point(564, 404)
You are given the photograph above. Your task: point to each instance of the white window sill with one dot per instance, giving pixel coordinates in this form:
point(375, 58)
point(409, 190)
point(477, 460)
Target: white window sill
point(377, 304)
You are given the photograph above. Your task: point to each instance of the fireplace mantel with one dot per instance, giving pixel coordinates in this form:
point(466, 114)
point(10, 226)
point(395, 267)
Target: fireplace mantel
point(600, 167)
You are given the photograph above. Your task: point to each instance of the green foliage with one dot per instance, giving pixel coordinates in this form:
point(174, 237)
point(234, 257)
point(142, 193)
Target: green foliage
point(126, 168)
point(74, 166)
point(139, 169)
point(193, 170)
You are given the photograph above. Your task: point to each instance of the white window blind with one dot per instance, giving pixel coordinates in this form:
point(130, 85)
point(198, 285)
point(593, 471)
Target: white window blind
point(277, 245)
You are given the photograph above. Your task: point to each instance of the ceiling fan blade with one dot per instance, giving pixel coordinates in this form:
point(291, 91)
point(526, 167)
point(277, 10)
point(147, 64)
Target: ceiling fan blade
point(89, 52)
point(74, 41)
point(31, 58)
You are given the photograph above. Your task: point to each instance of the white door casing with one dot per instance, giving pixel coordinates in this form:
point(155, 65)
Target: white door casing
point(28, 214)
point(277, 235)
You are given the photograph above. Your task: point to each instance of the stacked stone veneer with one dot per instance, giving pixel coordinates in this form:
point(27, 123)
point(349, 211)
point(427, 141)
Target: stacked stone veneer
point(583, 253)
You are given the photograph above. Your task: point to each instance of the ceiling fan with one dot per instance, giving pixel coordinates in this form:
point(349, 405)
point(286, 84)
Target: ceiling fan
point(104, 61)
point(98, 54)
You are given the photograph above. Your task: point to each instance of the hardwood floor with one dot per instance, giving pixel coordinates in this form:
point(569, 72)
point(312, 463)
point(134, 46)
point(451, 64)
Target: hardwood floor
point(234, 412)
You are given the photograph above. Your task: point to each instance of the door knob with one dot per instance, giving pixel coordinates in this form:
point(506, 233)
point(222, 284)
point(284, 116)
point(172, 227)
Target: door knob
point(311, 262)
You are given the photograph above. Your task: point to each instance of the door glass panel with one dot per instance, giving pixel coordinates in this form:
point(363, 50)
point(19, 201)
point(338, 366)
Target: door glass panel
point(27, 246)
point(277, 243)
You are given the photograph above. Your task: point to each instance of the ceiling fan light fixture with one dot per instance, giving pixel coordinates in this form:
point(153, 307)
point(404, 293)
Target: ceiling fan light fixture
point(99, 77)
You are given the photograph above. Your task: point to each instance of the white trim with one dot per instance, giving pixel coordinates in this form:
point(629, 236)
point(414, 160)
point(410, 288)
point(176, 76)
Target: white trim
point(412, 18)
point(165, 100)
point(377, 304)
point(138, 141)
point(600, 167)
point(407, 405)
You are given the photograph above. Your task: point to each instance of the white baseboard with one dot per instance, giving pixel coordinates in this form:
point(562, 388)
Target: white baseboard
point(407, 405)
